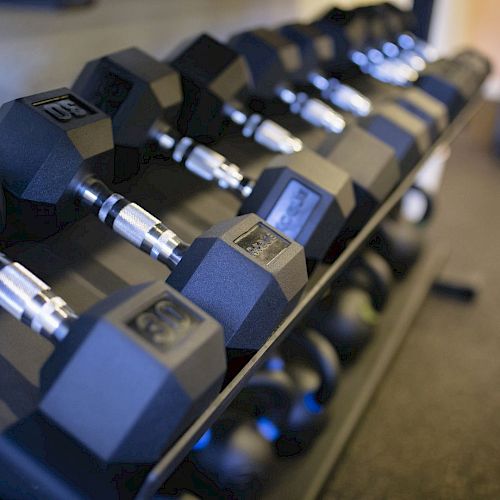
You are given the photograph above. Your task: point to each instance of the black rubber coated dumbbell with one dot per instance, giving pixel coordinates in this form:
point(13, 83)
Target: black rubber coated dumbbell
point(128, 375)
point(274, 62)
point(214, 82)
point(287, 397)
point(384, 36)
point(356, 47)
point(372, 273)
point(319, 56)
point(317, 50)
point(353, 150)
point(451, 81)
point(399, 25)
point(143, 96)
point(454, 81)
point(443, 80)
point(347, 318)
point(400, 243)
point(234, 458)
point(208, 70)
point(54, 146)
point(413, 100)
point(217, 79)
point(302, 195)
point(408, 123)
point(3, 211)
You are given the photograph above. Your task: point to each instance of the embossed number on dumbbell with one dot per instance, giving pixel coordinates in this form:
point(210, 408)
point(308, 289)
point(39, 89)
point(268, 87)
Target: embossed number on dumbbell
point(262, 243)
point(164, 323)
point(64, 110)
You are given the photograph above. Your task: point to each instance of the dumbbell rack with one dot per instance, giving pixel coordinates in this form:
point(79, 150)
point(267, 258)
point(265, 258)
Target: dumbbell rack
point(358, 385)
point(85, 262)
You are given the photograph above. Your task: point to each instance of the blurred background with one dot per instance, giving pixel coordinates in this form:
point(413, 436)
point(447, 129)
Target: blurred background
point(44, 47)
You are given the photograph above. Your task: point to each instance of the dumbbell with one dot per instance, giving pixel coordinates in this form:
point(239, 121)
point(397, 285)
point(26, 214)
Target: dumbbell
point(206, 60)
point(442, 79)
point(288, 395)
point(454, 81)
point(372, 273)
point(399, 25)
point(129, 374)
point(375, 183)
point(302, 195)
point(400, 243)
point(347, 28)
point(313, 47)
point(3, 211)
point(54, 147)
point(357, 46)
point(274, 58)
point(407, 123)
point(218, 82)
point(271, 60)
point(385, 32)
point(279, 410)
point(233, 457)
point(314, 369)
point(347, 318)
point(319, 54)
point(449, 81)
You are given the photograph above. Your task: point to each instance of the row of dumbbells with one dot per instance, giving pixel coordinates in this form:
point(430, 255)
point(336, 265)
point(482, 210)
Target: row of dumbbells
point(157, 352)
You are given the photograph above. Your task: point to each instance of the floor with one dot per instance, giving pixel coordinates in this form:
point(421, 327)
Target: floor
point(433, 429)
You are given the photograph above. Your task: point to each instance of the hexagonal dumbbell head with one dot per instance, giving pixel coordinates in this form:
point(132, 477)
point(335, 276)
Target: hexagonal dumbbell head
point(212, 75)
point(349, 25)
point(272, 59)
point(215, 79)
point(478, 64)
point(3, 213)
point(354, 150)
point(244, 273)
point(304, 196)
point(316, 48)
point(429, 109)
point(404, 131)
point(394, 20)
point(318, 52)
point(133, 372)
point(443, 80)
point(454, 81)
point(397, 19)
point(347, 32)
point(50, 141)
point(136, 90)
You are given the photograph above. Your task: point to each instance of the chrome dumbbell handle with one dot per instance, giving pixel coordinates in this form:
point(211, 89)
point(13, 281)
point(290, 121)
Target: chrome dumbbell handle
point(263, 131)
point(132, 222)
point(31, 301)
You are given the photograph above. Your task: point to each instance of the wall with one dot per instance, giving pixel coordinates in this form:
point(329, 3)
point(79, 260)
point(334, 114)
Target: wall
point(43, 49)
point(459, 23)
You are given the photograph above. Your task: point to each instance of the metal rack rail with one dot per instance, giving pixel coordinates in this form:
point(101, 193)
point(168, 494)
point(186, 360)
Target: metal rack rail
point(319, 282)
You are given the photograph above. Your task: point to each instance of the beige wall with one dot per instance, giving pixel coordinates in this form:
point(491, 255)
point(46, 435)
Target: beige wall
point(476, 23)
point(41, 49)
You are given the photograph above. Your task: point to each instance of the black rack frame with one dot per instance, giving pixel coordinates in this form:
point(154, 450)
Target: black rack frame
point(325, 275)
point(359, 384)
